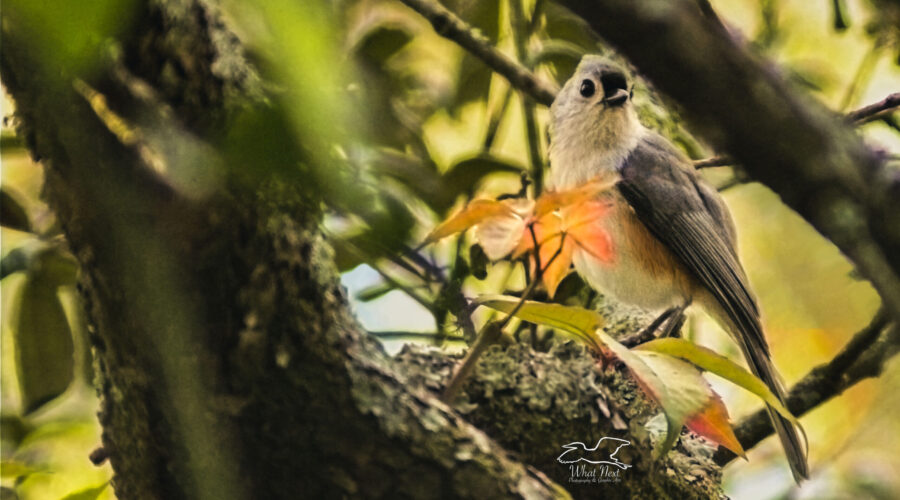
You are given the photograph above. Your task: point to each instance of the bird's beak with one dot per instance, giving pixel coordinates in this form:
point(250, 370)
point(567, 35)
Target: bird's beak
point(617, 98)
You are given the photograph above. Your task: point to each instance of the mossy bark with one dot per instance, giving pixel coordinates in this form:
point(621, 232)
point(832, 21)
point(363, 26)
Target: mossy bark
point(227, 363)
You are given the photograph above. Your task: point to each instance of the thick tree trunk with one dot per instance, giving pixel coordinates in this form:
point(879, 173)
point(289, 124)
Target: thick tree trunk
point(228, 365)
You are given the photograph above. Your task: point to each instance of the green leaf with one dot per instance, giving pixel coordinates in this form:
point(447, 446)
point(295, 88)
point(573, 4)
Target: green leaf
point(562, 24)
point(676, 385)
point(464, 177)
point(383, 41)
point(68, 37)
point(91, 493)
point(472, 84)
point(14, 261)
point(43, 343)
point(12, 213)
point(562, 57)
point(581, 323)
point(13, 428)
point(713, 362)
point(11, 469)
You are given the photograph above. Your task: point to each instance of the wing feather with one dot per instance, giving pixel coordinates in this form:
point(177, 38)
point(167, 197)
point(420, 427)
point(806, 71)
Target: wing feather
point(690, 220)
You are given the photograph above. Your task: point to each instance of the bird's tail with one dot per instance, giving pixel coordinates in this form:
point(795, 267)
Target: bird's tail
point(792, 437)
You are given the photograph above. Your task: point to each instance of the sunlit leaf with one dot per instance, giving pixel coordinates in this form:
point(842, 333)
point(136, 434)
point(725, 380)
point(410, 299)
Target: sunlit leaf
point(676, 385)
point(580, 322)
point(561, 56)
point(556, 259)
point(562, 24)
point(90, 493)
point(472, 214)
point(12, 469)
point(464, 176)
point(584, 225)
point(554, 200)
point(713, 362)
point(474, 80)
point(713, 423)
point(499, 235)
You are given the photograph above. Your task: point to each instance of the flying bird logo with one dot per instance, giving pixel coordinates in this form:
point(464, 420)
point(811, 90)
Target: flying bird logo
point(599, 454)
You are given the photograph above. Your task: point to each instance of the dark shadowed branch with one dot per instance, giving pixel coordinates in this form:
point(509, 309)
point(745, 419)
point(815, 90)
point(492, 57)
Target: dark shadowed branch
point(860, 116)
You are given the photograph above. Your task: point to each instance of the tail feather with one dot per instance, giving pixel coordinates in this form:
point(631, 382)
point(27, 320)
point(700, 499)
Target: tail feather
point(795, 445)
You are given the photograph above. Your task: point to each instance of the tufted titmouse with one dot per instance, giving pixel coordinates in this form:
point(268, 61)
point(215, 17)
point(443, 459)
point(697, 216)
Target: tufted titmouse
point(673, 237)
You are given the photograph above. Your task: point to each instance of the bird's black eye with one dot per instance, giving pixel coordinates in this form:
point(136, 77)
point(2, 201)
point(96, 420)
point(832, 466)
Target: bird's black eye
point(587, 88)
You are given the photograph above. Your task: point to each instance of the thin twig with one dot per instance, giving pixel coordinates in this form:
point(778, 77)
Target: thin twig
point(394, 334)
point(452, 27)
point(872, 111)
point(493, 330)
point(715, 161)
point(448, 25)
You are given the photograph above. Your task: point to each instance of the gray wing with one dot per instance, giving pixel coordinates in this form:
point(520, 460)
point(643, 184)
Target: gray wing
point(691, 220)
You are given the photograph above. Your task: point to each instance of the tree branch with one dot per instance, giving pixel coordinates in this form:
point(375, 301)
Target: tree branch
point(875, 110)
point(863, 357)
point(448, 25)
point(860, 116)
point(532, 403)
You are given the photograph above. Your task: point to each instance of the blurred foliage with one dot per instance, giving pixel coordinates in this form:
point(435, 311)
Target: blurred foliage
point(396, 128)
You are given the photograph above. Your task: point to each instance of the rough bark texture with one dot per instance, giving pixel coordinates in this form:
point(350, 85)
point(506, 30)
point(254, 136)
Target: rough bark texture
point(533, 403)
point(227, 363)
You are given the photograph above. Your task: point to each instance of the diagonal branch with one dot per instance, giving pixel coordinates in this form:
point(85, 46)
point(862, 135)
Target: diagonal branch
point(860, 116)
point(863, 357)
point(876, 110)
point(449, 25)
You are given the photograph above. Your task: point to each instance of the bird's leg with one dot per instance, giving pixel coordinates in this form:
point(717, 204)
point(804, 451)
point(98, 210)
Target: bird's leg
point(649, 332)
point(675, 322)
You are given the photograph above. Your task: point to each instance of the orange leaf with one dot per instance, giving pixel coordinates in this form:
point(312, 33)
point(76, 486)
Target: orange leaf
point(712, 423)
point(474, 213)
point(584, 224)
point(559, 267)
point(554, 200)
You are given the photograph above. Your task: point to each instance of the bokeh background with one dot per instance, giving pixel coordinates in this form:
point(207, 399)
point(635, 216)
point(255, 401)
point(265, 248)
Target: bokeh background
point(439, 128)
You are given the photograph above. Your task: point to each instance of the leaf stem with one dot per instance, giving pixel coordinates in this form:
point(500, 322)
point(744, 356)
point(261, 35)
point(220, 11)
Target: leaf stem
point(493, 330)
